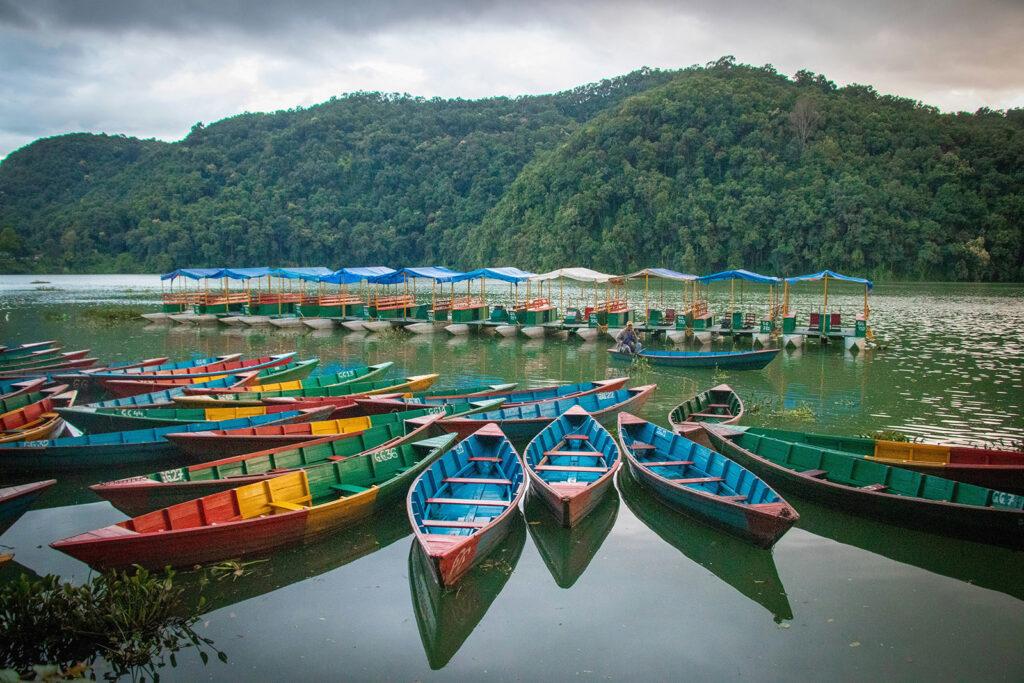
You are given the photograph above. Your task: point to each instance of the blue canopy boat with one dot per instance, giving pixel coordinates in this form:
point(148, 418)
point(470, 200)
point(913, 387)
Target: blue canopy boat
point(571, 465)
point(464, 504)
point(703, 483)
point(731, 360)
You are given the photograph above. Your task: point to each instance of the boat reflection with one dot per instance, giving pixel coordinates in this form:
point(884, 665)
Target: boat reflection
point(298, 563)
point(568, 552)
point(748, 569)
point(988, 566)
point(446, 618)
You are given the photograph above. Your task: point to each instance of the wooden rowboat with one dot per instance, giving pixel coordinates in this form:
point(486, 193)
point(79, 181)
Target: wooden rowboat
point(729, 360)
point(571, 465)
point(195, 364)
point(386, 386)
point(112, 450)
point(704, 484)
point(894, 494)
point(36, 361)
point(139, 494)
point(446, 618)
point(44, 370)
point(513, 398)
point(358, 374)
point(464, 504)
point(480, 390)
point(720, 405)
point(32, 416)
point(206, 445)
point(295, 507)
point(526, 421)
point(28, 356)
point(145, 383)
point(996, 469)
point(11, 388)
point(15, 500)
point(25, 349)
point(102, 420)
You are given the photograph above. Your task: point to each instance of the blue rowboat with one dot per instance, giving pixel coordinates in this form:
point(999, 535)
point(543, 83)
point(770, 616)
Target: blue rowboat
point(526, 421)
point(515, 398)
point(464, 504)
point(15, 500)
point(571, 465)
point(114, 449)
point(731, 360)
point(703, 483)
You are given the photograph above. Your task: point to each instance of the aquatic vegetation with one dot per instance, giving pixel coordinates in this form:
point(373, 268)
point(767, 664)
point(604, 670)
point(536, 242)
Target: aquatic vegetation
point(109, 314)
point(887, 435)
point(128, 623)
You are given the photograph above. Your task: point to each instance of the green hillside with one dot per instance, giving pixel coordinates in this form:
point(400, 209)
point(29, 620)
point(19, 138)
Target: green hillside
point(696, 169)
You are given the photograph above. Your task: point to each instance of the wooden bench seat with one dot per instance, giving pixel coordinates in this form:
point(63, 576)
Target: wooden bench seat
point(285, 505)
point(697, 480)
point(710, 414)
point(573, 454)
point(453, 524)
point(735, 499)
point(568, 468)
point(576, 437)
point(668, 463)
point(817, 474)
point(477, 480)
point(467, 501)
point(641, 446)
point(484, 458)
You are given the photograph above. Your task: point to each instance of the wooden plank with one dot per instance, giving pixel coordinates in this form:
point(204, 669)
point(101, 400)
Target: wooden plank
point(484, 458)
point(667, 463)
point(568, 468)
point(477, 480)
point(641, 446)
point(573, 454)
point(577, 437)
point(452, 524)
point(697, 480)
point(468, 501)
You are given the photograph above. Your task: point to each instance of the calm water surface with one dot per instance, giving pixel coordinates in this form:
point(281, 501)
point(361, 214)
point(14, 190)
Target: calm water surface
point(637, 591)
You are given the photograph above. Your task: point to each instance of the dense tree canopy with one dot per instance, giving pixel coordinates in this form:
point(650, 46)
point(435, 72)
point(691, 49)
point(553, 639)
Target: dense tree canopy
point(699, 169)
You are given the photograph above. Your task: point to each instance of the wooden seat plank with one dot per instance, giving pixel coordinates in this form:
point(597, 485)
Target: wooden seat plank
point(484, 458)
point(468, 501)
point(477, 480)
point(667, 463)
point(453, 524)
point(697, 480)
point(573, 454)
point(568, 468)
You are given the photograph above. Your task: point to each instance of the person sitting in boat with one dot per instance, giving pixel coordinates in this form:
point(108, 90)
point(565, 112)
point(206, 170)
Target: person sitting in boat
point(628, 341)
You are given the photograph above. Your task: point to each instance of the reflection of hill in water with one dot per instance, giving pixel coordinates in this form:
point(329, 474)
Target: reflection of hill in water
point(745, 567)
point(446, 618)
point(988, 566)
point(299, 563)
point(568, 552)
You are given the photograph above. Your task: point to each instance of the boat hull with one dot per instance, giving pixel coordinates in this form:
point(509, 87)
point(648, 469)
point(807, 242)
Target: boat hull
point(991, 525)
point(738, 360)
point(353, 325)
point(507, 330)
point(16, 500)
point(319, 323)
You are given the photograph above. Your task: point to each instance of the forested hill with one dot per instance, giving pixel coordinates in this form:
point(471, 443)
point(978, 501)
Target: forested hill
point(697, 170)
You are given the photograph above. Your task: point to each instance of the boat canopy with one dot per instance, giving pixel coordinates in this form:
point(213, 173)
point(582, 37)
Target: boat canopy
point(348, 276)
point(437, 273)
point(245, 273)
point(578, 274)
point(503, 274)
point(194, 273)
point(740, 275)
point(312, 274)
point(830, 275)
point(663, 273)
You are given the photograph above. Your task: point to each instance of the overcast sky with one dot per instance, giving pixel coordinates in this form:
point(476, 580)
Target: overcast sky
point(152, 68)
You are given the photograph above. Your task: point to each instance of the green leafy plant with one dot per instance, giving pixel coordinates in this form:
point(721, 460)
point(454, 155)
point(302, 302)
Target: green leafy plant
point(134, 621)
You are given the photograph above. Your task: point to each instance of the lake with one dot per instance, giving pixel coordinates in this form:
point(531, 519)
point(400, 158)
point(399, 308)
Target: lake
point(637, 591)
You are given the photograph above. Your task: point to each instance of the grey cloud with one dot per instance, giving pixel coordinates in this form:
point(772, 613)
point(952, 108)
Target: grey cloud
point(152, 68)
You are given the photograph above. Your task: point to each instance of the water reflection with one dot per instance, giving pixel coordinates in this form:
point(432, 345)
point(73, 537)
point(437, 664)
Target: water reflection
point(446, 618)
point(299, 563)
point(568, 552)
point(748, 569)
point(998, 569)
